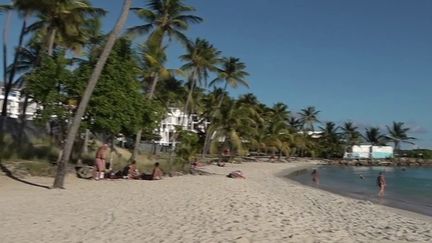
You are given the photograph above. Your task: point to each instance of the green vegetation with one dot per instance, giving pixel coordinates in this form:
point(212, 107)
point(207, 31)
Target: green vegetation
point(85, 80)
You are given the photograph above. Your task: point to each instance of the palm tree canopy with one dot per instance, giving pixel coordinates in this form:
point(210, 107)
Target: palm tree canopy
point(373, 135)
point(309, 116)
point(232, 72)
point(398, 134)
point(201, 57)
point(165, 16)
point(350, 133)
point(73, 20)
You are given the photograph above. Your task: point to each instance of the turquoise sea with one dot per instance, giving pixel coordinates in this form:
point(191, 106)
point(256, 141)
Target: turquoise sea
point(407, 188)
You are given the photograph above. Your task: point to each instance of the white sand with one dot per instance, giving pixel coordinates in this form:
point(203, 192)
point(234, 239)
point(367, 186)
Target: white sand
point(261, 208)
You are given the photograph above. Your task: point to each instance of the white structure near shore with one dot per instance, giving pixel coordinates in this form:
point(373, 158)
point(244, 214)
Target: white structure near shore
point(369, 152)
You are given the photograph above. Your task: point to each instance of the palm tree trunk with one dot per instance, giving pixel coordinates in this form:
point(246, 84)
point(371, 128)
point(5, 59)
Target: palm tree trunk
point(207, 139)
point(86, 140)
point(207, 142)
point(139, 133)
point(153, 86)
point(189, 98)
point(51, 36)
point(73, 130)
point(136, 146)
point(7, 86)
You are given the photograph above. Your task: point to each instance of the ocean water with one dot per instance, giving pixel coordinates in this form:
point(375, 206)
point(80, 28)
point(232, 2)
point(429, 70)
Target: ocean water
point(407, 188)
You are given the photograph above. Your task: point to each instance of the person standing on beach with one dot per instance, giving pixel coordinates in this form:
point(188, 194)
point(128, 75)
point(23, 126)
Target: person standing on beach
point(381, 183)
point(315, 177)
point(101, 161)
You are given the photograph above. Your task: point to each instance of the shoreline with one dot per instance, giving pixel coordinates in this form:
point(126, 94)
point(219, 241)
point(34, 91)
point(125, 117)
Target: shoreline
point(264, 207)
point(409, 211)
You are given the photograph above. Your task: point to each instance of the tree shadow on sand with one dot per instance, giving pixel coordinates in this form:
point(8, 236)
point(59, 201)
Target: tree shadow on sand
point(9, 174)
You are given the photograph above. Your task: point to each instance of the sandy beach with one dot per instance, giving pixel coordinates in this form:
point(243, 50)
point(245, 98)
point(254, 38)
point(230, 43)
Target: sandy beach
point(264, 207)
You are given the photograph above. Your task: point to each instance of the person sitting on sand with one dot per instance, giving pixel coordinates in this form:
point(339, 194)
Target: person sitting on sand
point(237, 174)
point(315, 176)
point(131, 171)
point(381, 183)
point(157, 172)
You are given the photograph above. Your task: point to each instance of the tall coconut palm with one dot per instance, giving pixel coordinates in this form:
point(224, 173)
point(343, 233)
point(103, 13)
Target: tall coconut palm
point(278, 136)
point(398, 134)
point(7, 9)
point(201, 58)
point(232, 74)
point(164, 17)
point(229, 123)
point(24, 9)
point(374, 136)
point(73, 129)
point(330, 140)
point(64, 21)
point(295, 124)
point(350, 134)
point(309, 116)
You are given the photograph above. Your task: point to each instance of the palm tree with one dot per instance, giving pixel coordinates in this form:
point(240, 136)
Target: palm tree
point(164, 17)
point(374, 137)
point(398, 134)
point(73, 129)
point(7, 9)
point(65, 22)
point(295, 124)
point(201, 58)
point(277, 135)
point(24, 9)
point(229, 123)
point(330, 140)
point(309, 116)
point(351, 134)
point(233, 74)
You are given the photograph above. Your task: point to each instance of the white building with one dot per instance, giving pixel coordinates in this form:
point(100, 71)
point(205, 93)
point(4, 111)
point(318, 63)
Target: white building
point(369, 151)
point(16, 104)
point(176, 117)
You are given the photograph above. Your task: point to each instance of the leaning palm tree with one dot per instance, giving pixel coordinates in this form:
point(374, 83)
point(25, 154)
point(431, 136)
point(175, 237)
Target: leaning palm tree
point(201, 58)
point(309, 116)
point(374, 136)
point(73, 129)
point(398, 134)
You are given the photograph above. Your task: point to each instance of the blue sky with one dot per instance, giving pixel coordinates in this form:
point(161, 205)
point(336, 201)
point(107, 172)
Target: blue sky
point(366, 61)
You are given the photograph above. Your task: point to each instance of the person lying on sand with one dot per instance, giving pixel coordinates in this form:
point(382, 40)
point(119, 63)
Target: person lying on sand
point(196, 164)
point(236, 175)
